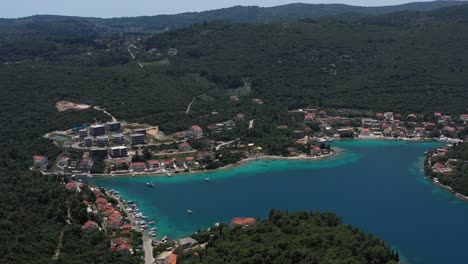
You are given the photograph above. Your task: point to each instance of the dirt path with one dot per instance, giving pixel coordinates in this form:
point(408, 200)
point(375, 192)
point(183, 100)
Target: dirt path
point(105, 112)
point(190, 105)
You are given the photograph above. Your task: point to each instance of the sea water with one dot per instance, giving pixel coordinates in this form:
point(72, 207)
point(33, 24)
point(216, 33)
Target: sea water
point(375, 185)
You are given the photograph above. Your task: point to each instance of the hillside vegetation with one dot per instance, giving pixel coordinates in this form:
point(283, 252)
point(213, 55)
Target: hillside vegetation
point(237, 14)
point(285, 238)
point(401, 62)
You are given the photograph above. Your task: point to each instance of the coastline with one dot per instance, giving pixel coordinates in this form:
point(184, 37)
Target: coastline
point(336, 151)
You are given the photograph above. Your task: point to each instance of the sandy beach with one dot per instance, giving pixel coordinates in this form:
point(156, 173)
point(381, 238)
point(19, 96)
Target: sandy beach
point(336, 151)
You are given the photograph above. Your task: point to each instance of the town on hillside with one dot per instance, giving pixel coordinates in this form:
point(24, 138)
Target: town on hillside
point(119, 148)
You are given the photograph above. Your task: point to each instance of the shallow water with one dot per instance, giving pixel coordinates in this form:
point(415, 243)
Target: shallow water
point(375, 185)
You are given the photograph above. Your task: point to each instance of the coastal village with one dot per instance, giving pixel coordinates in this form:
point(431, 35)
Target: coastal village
point(133, 149)
point(118, 148)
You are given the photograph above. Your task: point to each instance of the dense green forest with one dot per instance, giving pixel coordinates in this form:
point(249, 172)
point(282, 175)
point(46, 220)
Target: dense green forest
point(409, 61)
point(284, 238)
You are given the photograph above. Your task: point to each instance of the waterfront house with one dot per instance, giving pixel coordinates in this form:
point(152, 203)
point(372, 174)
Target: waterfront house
point(234, 98)
point(186, 243)
point(205, 156)
point(190, 161)
point(249, 221)
point(138, 166)
point(379, 116)
point(180, 162)
point(315, 151)
point(184, 147)
point(154, 165)
point(105, 207)
point(292, 151)
point(114, 223)
point(75, 186)
point(365, 131)
point(437, 115)
point(168, 164)
point(40, 161)
point(101, 201)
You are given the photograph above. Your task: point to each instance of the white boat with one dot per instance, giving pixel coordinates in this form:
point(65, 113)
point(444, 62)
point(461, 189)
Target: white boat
point(150, 184)
point(189, 212)
point(144, 216)
point(207, 179)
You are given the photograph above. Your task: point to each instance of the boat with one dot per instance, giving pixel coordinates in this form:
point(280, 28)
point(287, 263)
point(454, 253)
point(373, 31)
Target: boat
point(151, 222)
point(150, 184)
point(189, 212)
point(153, 229)
point(207, 179)
point(144, 216)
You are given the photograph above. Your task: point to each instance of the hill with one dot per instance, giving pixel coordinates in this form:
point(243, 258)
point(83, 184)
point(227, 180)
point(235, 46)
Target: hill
point(300, 237)
point(237, 14)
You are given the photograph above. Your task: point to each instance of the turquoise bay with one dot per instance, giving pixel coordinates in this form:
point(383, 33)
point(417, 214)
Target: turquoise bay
point(375, 185)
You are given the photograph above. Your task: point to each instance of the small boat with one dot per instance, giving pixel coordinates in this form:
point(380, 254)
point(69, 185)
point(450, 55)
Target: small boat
point(153, 229)
point(189, 212)
point(144, 217)
point(207, 179)
point(150, 184)
point(151, 222)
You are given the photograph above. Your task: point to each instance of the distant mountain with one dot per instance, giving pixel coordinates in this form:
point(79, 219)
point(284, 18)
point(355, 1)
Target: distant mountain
point(248, 14)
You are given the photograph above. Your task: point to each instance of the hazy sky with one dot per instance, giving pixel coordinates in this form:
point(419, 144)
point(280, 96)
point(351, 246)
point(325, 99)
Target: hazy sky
point(119, 8)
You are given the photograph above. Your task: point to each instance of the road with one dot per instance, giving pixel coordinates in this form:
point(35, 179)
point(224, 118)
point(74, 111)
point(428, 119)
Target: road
point(105, 112)
point(147, 241)
point(148, 248)
point(227, 143)
point(190, 105)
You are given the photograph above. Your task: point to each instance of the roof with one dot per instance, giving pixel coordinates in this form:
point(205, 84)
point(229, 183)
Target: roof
point(189, 158)
point(196, 127)
point(138, 164)
point(172, 259)
point(39, 157)
point(184, 144)
point(101, 200)
point(243, 221)
point(90, 225)
point(187, 240)
point(153, 162)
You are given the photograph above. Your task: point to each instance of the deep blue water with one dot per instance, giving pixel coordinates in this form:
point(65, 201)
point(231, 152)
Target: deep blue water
point(375, 185)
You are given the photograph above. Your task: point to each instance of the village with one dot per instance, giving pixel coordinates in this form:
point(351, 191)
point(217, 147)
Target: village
point(119, 148)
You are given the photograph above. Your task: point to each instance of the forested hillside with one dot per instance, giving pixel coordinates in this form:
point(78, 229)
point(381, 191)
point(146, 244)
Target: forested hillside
point(403, 62)
point(237, 14)
point(290, 238)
